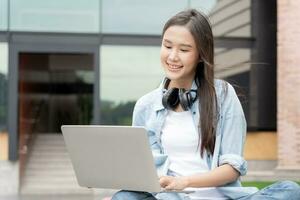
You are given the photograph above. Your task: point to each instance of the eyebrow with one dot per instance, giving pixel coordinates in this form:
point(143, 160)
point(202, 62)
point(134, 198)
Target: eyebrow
point(185, 45)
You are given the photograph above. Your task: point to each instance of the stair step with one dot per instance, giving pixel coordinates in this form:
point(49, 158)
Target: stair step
point(37, 163)
point(49, 154)
point(63, 173)
point(50, 142)
point(55, 190)
point(49, 169)
point(51, 181)
point(49, 146)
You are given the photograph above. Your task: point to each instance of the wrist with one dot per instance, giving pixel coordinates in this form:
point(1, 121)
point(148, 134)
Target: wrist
point(186, 181)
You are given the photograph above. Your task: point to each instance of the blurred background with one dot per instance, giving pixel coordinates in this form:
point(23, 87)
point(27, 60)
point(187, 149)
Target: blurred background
point(87, 62)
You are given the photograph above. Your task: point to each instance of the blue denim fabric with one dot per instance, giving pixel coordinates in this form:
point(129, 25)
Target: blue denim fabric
point(230, 132)
point(132, 195)
point(280, 190)
point(284, 190)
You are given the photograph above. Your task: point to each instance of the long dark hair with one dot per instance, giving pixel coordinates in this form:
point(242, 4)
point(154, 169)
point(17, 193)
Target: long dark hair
point(199, 26)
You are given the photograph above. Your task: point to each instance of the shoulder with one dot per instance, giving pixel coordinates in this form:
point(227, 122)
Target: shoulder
point(228, 101)
point(224, 89)
point(226, 94)
point(149, 98)
point(145, 106)
point(149, 102)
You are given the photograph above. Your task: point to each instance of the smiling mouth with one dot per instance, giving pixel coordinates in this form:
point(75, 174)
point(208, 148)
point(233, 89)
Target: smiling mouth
point(174, 67)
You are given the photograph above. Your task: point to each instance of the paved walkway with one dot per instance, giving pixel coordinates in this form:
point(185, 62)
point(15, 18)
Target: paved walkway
point(53, 197)
point(98, 194)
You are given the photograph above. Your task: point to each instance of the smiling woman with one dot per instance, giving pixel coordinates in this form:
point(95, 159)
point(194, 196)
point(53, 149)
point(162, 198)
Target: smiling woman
point(192, 136)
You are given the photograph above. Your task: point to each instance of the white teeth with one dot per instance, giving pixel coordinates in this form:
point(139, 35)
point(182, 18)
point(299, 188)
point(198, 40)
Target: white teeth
point(174, 66)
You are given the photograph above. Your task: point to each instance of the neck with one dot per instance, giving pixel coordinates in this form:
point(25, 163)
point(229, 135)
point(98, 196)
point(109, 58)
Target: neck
point(181, 84)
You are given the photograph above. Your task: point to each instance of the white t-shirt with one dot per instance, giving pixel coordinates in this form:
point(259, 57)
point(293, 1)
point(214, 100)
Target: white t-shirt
point(180, 141)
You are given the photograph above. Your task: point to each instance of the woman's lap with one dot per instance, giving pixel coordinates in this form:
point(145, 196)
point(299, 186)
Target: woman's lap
point(132, 195)
point(280, 190)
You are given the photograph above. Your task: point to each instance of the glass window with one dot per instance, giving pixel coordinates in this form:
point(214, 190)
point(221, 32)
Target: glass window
point(138, 16)
point(3, 85)
point(55, 16)
point(3, 15)
point(54, 89)
point(127, 73)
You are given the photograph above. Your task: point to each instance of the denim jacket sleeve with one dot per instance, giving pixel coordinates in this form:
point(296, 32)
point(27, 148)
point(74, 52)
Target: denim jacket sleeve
point(233, 130)
point(140, 118)
point(143, 116)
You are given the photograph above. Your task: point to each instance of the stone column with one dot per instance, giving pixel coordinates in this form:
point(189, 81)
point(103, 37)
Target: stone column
point(288, 84)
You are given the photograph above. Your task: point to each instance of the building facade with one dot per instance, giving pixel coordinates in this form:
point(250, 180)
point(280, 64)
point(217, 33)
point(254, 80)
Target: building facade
point(288, 115)
point(87, 62)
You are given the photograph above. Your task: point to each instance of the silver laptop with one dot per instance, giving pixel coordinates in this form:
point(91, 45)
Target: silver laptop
point(112, 157)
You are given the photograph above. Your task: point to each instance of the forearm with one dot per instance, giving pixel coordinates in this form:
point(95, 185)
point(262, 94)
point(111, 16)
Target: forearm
point(216, 177)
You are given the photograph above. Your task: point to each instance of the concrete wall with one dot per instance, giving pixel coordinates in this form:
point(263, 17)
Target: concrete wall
point(3, 146)
point(261, 146)
point(9, 171)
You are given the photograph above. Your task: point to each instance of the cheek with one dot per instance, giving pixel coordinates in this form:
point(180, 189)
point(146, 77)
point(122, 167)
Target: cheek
point(163, 55)
point(192, 60)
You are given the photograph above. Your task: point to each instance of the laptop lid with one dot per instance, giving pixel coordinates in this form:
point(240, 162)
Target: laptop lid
point(112, 157)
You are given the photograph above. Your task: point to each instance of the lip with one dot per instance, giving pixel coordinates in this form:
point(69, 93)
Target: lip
point(174, 66)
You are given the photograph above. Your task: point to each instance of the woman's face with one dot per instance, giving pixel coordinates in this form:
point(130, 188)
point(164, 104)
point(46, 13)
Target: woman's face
point(179, 56)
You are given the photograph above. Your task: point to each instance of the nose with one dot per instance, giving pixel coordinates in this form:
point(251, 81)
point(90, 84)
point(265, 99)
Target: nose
point(173, 56)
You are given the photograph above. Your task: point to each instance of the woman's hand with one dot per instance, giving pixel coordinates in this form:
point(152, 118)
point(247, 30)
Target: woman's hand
point(173, 183)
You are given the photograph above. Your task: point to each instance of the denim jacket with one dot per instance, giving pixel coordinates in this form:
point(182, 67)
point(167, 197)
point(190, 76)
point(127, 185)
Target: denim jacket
point(230, 132)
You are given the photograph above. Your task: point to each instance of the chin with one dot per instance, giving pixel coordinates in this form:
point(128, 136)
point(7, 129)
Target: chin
point(173, 78)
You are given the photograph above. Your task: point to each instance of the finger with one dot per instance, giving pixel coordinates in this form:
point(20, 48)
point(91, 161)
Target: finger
point(162, 183)
point(164, 179)
point(170, 186)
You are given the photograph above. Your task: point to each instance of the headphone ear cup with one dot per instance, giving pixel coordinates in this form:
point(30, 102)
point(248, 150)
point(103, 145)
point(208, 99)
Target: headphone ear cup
point(184, 98)
point(170, 98)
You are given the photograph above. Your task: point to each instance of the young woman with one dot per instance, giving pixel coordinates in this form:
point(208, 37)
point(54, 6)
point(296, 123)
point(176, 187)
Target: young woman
point(195, 123)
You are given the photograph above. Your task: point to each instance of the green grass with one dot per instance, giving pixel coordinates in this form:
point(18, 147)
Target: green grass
point(259, 185)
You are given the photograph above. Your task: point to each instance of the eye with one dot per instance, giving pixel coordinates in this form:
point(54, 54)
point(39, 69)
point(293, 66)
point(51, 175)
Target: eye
point(167, 46)
point(184, 50)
